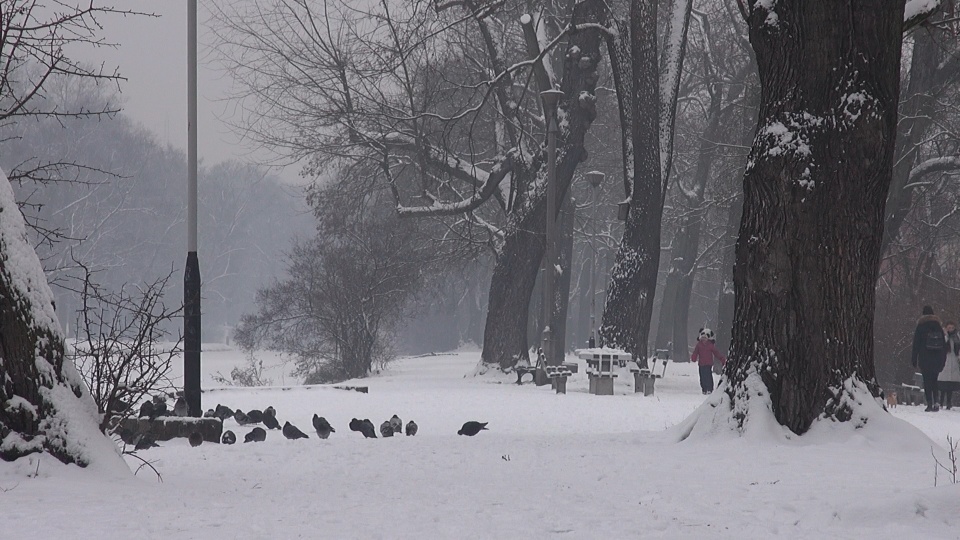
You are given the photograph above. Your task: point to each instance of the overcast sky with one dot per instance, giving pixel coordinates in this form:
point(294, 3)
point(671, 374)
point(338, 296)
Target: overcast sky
point(153, 57)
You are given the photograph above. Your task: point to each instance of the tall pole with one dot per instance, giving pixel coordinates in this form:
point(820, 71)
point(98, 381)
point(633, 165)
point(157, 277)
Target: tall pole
point(550, 100)
point(594, 178)
point(191, 273)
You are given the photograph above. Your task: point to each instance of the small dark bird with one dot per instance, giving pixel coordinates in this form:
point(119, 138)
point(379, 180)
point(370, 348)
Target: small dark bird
point(229, 437)
point(271, 411)
point(356, 425)
point(270, 421)
point(196, 439)
point(471, 428)
point(255, 416)
point(324, 429)
point(180, 407)
point(369, 431)
point(411, 428)
point(241, 418)
point(291, 432)
point(159, 409)
point(397, 424)
point(144, 441)
point(386, 429)
point(223, 412)
point(210, 414)
point(146, 409)
point(258, 434)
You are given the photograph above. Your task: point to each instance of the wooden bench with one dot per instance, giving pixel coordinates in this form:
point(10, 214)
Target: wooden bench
point(523, 370)
point(558, 377)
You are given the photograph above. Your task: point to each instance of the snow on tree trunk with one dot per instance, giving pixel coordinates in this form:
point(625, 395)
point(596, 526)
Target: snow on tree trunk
point(633, 281)
point(518, 260)
point(44, 405)
point(814, 191)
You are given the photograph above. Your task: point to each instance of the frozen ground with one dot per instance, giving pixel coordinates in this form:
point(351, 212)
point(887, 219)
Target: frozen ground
point(573, 466)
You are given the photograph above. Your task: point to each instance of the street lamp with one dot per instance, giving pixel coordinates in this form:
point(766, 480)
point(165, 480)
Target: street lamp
point(594, 178)
point(550, 100)
point(191, 272)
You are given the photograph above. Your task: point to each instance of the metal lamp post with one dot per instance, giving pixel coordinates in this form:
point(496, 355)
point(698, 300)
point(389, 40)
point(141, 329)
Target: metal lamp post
point(595, 178)
point(550, 100)
point(191, 273)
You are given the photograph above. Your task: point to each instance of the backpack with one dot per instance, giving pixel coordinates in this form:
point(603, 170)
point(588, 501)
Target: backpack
point(933, 340)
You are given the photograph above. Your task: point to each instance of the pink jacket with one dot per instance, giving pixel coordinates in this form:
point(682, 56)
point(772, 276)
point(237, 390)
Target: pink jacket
point(705, 352)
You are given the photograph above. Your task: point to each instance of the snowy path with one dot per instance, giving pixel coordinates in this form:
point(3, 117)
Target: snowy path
point(574, 466)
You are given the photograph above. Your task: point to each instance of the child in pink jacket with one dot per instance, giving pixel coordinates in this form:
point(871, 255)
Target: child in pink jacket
point(704, 354)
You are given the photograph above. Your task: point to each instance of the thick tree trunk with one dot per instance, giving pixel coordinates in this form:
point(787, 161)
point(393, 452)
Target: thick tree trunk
point(515, 270)
point(630, 295)
point(814, 192)
point(44, 405)
point(565, 261)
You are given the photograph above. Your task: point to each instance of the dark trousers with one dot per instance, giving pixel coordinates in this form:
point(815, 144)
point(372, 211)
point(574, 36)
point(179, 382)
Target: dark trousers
point(930, 386)
point(706, 378)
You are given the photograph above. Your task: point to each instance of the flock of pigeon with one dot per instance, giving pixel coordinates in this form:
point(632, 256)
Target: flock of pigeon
point(268, 417)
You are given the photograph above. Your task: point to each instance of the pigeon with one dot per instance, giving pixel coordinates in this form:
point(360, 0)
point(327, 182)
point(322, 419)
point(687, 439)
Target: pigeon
point(258, 434)
point(229, 437)
point(356, 425)
point(324, 429)
point(271, 411)
point(210, 414)
point(223, 412)
point(291, 432)
point(397, 424)
point(180, 407)
point(255, 416)
point(386, 429)
point(241, 418)
point(196, 439)
point(159, 409)
point(471, 428)
point(146, 409)
point(368, 430)
point(271, 422)
point(144, 441)
point(411, 428)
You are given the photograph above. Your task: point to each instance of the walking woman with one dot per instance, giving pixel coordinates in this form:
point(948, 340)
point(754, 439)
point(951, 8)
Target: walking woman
point(949, 380)
point(929, 353)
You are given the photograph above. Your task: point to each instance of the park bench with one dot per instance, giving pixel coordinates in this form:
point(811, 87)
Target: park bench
point(523, 370)
point(558, 377)
point(600, 364)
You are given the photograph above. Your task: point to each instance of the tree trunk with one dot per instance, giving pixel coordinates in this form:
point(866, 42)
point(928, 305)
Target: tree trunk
point(44, 405)
point(518, 260)
point(559, 326)
point(814, 192)
point(630, 295)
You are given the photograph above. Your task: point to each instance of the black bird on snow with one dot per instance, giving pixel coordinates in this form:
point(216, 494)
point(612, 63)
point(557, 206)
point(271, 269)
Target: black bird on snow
point(270, 421)
point(196, 439)
point(159, 409)
point(144, 441)
point(324, 429)
point(397, 424)
point(210, 414)
point(229, 437)
point(146, 409)
point(471, 428)
point(223, 412)
point(180, 407)
point(386, 429)
point(242, 418)
point(356, 425)
point(411, 428)
point(258, 434)
point(255, 416)
point(369, 431)
point(291, 432)
point(271, 411)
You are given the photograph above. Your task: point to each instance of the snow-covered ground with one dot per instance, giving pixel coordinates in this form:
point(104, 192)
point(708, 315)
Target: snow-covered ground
point(574, 465)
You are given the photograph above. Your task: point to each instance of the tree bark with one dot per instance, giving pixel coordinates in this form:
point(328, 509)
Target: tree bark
point(814, 192)
point(518, 260)
point(565, 260)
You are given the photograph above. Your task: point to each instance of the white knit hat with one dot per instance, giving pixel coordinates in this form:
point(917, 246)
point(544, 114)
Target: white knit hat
point(706, 332)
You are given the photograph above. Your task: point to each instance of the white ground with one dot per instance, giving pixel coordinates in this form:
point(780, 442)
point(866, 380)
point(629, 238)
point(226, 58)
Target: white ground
point(575, 466)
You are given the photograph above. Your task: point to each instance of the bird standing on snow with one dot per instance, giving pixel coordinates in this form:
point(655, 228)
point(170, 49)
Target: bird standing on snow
point(411, 428)
point(356, 425)
point(255, 416)
point(146, 410)
point(324, 429)
point(397, 424)
point(196, 439)
point(386, 429)
point(291, 432)
point(241, 418)
point(366, 427)
point(229, 437)
point(270, 420)
point(180, 407)
point(258, 434)
point(223, 412)
point(471, 428)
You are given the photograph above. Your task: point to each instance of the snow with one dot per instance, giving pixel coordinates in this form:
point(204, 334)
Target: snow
point(918, 8)
point(772, 18)
point(576, 465)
